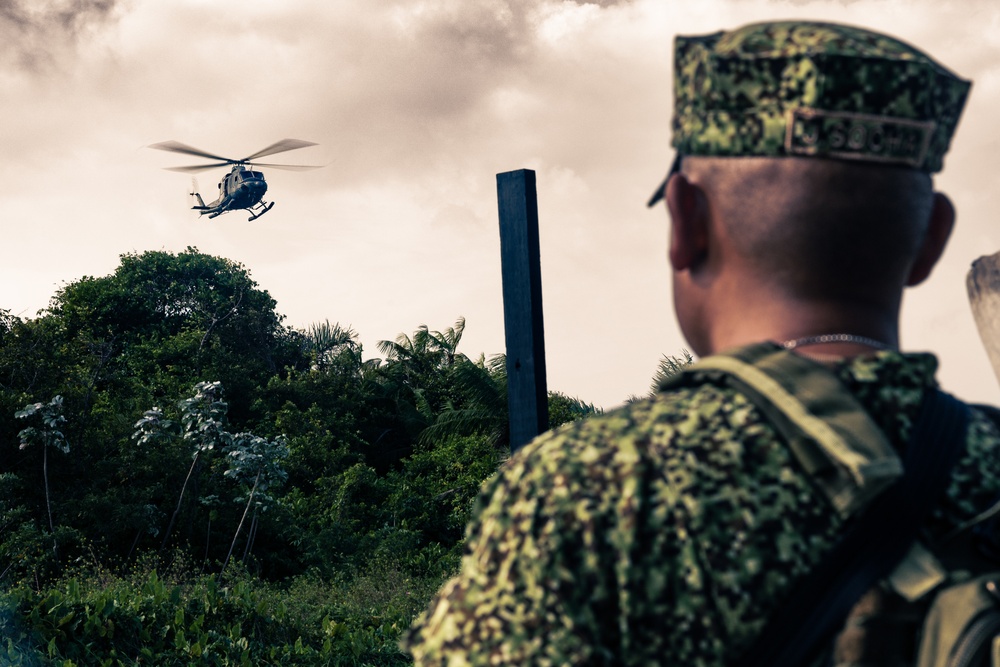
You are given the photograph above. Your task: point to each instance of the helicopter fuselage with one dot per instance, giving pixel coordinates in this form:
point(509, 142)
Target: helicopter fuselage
point(241, 188)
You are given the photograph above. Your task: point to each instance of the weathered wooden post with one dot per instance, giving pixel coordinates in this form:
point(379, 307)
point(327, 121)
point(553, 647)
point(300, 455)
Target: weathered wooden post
point(983, 284)
point(520, 264)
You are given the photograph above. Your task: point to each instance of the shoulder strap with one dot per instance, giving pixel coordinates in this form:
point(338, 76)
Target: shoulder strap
point(879, 539)
point(829, 432)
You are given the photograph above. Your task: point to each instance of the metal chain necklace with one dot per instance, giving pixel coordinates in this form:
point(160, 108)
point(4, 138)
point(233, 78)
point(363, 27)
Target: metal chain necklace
point(836, 338)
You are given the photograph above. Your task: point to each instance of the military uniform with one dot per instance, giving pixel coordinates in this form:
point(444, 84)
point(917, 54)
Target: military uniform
point(670, 530)
point(665, 532)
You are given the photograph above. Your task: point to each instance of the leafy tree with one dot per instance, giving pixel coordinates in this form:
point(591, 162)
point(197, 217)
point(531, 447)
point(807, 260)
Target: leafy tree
point(433, 492)
point(349, 479)
point(563, 409)
point(170, 319)
point(254, 462)
point(49, 435)
point(112, 346)
point(202, 425)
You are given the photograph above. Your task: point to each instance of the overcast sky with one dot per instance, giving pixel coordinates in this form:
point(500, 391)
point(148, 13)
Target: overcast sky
point(416, 106)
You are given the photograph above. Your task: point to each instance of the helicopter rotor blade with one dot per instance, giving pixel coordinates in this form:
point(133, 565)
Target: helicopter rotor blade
point(289, 167)
point(198, 167)
point(277, 147)
point(178, 147)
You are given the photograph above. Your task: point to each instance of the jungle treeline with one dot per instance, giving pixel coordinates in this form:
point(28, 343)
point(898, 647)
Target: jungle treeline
point(184, 479)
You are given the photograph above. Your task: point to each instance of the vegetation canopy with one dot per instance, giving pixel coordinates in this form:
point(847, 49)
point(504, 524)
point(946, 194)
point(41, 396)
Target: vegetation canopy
point(185, 479)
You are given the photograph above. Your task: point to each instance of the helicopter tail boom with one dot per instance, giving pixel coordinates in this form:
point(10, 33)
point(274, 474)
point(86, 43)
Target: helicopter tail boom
point(201, 202)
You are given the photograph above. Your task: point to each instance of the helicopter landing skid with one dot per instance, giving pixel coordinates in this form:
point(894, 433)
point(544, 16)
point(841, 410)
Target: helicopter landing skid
point(267, 207)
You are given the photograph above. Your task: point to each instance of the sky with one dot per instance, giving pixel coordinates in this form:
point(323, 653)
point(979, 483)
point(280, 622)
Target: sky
point(416, 105)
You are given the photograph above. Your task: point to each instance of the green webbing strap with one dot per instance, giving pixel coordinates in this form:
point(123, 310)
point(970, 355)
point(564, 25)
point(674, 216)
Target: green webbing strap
point(829, 432)
point(872, 545)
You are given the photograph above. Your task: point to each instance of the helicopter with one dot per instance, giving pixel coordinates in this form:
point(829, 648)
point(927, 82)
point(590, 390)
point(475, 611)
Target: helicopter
point(243, 187)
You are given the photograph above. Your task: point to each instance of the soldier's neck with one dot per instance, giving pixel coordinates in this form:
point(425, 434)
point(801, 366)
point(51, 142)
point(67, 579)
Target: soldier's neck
point(753, 319)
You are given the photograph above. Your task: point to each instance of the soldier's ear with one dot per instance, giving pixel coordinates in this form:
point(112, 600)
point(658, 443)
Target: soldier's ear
point(939, 227)
point(689, 223)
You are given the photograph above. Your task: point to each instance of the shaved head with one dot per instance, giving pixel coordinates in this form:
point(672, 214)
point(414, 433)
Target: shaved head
point(818, 228)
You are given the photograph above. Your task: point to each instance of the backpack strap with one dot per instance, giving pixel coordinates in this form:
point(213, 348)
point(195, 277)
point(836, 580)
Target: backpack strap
point(829, 432)
point(850, 459)
point(871, 548)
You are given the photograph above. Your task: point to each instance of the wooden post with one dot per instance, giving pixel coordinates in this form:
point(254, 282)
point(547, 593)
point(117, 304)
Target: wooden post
point(983, 284)
point(527, 395)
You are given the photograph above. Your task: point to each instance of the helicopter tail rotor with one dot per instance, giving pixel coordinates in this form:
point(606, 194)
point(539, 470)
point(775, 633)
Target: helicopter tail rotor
point(195, 196)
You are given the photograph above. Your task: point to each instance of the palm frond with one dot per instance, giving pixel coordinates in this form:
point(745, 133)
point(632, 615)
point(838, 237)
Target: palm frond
point(325, 341)
point(668, 367)
point(471, 421)
point(394, 350)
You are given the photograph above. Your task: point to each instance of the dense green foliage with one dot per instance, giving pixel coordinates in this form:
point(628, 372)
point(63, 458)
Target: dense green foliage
point(184, 479)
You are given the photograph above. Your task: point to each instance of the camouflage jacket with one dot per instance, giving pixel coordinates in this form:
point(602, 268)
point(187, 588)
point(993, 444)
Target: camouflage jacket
point(667, 531)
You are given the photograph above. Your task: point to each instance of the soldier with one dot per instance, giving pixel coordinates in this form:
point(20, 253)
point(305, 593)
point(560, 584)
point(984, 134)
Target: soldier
point(672, 530)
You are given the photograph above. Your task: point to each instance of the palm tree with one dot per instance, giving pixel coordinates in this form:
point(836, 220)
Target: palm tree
point(324, 342)
point(446, 342)
point(484, 410)
point(483, 386)
point(404, 347)
point(406, 384)
point(668, 367)
point(418, 370)
point(440, 348)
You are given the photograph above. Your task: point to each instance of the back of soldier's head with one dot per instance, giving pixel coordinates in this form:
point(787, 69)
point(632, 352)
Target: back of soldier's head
point(818, 228)
point(815, 143)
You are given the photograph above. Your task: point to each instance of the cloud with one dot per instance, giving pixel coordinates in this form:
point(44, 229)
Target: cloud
point(34, 33)
point(416, 105)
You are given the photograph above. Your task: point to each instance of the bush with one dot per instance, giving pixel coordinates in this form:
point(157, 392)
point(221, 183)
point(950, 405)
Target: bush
point(180, 618)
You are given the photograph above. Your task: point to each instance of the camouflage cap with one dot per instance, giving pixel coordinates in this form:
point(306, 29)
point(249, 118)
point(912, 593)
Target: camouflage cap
point(813, 89)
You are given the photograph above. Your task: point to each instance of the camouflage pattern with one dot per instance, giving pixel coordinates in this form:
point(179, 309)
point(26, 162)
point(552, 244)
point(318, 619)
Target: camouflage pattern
point(665, 532)
point(820, 89)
